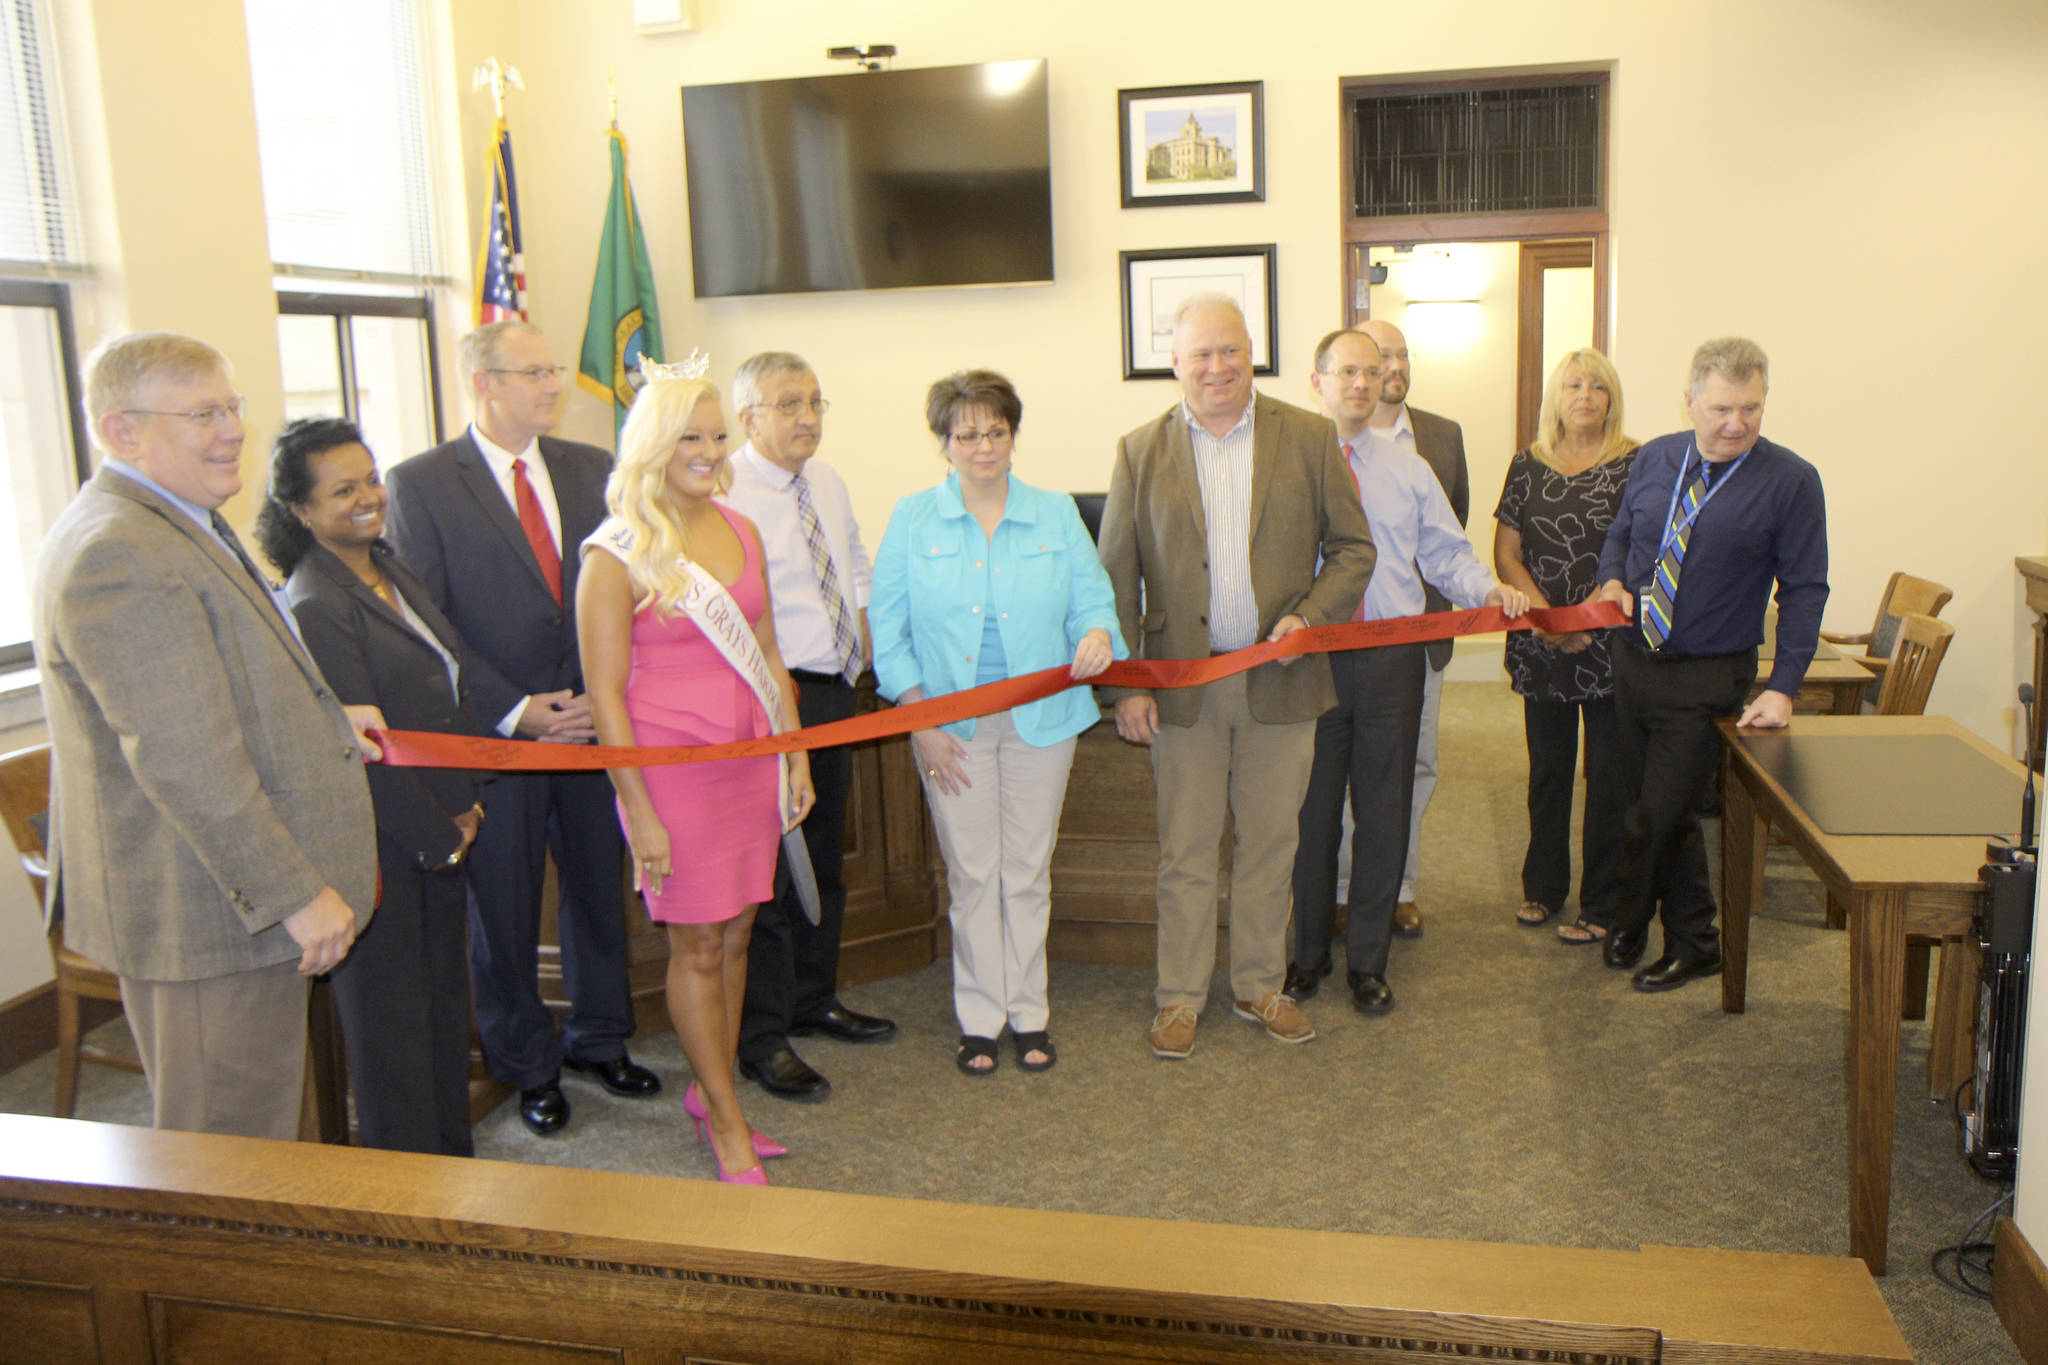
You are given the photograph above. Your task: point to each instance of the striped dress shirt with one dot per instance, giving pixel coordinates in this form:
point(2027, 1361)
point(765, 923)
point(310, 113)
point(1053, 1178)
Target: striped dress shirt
point(1223, 467)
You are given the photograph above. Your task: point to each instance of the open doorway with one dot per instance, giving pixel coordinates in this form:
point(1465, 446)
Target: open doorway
point(1485, 322)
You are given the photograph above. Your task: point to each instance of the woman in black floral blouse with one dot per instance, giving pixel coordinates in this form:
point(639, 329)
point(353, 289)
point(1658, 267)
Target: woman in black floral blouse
point(1560, 498)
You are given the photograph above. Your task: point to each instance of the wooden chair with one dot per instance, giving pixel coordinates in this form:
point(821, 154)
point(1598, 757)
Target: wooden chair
point(1904, 595)
point(1916, 658)
point(24, 797)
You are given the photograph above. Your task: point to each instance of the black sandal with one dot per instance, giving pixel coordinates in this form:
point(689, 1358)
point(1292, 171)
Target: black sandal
point(972, 1048)
point(1532, 914)
point(1581, 932)
point(1035, 1042)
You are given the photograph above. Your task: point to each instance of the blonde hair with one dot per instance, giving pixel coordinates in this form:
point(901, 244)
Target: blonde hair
point(638, 493)
point(117, 369)
point(1550, 418)
point(1735, 359)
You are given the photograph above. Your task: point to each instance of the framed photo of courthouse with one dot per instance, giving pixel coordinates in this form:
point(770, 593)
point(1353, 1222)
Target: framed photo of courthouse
point(1192, 144)
point(1155, 283)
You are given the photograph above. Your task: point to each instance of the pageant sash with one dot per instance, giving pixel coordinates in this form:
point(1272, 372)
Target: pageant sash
point(712, 610)
point(421, 749)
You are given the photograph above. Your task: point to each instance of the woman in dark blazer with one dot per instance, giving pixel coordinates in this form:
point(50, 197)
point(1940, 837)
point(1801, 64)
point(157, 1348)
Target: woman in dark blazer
point(402, 993)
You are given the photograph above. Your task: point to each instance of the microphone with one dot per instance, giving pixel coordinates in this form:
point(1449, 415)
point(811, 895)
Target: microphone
point(2027, 801)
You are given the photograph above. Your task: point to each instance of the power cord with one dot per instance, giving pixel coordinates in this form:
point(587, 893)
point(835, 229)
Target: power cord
point(1970, 1257)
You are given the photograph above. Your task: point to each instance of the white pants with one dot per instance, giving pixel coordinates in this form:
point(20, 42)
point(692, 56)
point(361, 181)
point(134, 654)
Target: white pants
point(997, 837)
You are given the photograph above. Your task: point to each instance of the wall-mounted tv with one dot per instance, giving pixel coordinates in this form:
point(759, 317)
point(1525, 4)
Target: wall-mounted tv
point(872, 180)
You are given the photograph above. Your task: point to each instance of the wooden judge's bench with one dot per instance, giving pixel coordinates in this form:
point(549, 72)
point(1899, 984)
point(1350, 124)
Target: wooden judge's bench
point(123, 1246)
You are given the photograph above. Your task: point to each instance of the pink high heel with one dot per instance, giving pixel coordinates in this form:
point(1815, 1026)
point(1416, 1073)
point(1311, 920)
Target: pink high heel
point(756, 1174)
point(767, 1148)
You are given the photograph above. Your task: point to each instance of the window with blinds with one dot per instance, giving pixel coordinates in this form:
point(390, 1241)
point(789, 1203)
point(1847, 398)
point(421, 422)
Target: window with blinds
point(1511, 149)
point(37, 227)
point(342, 128)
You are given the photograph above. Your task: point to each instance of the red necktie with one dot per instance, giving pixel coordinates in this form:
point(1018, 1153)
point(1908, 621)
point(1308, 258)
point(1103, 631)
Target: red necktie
point(535, 524)
point(1358, 615)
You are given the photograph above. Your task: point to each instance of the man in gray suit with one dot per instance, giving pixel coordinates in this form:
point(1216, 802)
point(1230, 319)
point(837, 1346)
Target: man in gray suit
point(211, 830)
point(1397, 425)
point(1231, 519)
point(493, 522)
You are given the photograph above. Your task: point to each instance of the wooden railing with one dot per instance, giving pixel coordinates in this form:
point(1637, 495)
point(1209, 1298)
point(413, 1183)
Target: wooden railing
point(126, 1245)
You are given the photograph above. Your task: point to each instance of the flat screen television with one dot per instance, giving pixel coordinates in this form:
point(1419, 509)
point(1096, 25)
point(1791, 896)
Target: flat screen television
point(871, 180)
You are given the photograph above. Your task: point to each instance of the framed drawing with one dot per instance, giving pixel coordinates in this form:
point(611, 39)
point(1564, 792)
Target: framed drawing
point(1192, 144)
point(1155, 283)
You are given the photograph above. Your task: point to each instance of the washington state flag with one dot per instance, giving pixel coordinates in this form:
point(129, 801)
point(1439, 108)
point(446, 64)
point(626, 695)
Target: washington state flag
point(624, 321)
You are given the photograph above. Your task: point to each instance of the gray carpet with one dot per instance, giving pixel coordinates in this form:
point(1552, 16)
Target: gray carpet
point(1520, 1093)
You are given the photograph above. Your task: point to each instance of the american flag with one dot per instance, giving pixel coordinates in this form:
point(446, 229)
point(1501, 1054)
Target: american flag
point(501, 263)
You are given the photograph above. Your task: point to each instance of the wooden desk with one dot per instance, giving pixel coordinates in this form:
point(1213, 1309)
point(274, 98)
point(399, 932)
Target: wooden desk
point(1833, 686)
point(2033, 571)
point(1892, 886)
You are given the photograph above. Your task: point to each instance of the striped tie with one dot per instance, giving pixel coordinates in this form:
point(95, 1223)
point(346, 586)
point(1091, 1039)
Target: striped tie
point(1658, 605)
point(845, 639)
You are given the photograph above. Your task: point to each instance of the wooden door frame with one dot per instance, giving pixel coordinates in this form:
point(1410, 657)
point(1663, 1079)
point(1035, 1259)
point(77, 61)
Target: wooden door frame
point(1537, 257)
point(1544, 232)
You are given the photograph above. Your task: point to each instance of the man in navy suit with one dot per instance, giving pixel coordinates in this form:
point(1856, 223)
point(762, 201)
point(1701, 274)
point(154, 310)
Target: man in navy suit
point(492, 523)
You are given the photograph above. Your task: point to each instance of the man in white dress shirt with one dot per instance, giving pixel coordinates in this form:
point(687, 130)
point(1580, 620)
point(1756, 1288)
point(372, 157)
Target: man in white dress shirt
point(1441, 444)
point(818, 573)
point(1367, 741)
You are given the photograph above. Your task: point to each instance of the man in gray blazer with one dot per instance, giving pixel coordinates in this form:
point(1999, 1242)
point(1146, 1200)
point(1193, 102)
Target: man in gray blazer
point(492, 522)
point(211, 830)
point(1398, 424)
point(1231, 519)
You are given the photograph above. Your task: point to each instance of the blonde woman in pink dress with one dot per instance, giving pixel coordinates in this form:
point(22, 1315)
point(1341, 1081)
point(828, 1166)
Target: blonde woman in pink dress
point(679, 648)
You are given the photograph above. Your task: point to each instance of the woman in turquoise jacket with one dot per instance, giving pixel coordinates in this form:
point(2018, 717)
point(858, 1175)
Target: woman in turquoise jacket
point(979, 579)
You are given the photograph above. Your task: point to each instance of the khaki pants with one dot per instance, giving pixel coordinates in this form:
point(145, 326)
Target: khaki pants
point(998, 838)
point(1258, 772)
point(226, 1054)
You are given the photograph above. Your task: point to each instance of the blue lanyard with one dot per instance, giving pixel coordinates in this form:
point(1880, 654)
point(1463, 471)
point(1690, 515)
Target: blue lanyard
point(1678, 488)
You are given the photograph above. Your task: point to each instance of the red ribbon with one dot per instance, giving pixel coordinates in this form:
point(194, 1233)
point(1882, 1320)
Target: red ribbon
point(424, 749)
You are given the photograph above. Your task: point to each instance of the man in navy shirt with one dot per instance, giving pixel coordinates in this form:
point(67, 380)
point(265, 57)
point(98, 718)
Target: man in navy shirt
point(1712, 517)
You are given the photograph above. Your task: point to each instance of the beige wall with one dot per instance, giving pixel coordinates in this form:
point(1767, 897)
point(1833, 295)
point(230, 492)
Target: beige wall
point(1785, 170)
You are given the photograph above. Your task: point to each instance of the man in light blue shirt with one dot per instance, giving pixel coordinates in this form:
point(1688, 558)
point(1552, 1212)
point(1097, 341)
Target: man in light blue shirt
point(1367, 741)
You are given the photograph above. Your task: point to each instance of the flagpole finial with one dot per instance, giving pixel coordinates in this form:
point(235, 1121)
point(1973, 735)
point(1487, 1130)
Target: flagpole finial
point(496, 76)
point(611, 98)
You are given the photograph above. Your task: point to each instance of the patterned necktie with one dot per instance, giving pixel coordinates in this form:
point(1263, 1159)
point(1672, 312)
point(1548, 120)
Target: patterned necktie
point(1663, 594)
point(845, 639)
point(234, 544)
point(535, 523)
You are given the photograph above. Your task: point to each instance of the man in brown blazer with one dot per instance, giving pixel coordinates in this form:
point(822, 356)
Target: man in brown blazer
point(211, 832)
point(1231, 519)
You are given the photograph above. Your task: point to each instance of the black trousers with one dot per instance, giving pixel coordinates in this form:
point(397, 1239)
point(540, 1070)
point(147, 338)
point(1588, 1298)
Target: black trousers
point(1666, 707)
point(792, 967)
point(1366, 743)
point(402, 995)
point(1552, 730)
point(574, 816)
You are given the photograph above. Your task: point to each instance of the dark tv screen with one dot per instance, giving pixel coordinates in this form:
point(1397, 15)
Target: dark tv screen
point(871, 180)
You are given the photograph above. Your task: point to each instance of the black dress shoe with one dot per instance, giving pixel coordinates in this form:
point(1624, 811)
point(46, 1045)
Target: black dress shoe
point(848, 1026)
point(1302, 983)
point(621, 1076)
point(1370, 993)
point(784, 1073)
point(1669, 972)
point(1624, 949)
point(544, 1109)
